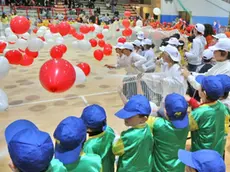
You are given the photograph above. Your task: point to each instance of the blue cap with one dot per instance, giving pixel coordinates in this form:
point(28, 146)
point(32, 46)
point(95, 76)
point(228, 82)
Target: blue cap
point(137, 105)
point(30, 149)
point(176, 108)
point(225, 80)
point(70, 134)
point(94, 116)
point(211, 85)
point(203, 160)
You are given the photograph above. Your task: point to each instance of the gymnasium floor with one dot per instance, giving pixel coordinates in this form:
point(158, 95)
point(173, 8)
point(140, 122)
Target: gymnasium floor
point(28, 100)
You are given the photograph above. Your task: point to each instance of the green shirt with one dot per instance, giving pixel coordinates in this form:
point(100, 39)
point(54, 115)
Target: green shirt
point(101, 145)
point(167, 141)
point(56, 166)
point(207, 125)
point(134, 149)
point(86, 163)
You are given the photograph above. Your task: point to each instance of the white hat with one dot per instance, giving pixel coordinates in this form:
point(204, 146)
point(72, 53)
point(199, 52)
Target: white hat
point(172, 52)
point(154, 107)
point(140, 35)
point(200, 28)
point(220, 35)
point(147, 42)
point(223, 44)
point(128, 46)
point(162, 48)
point(137, 43)
point(119, 45)
point(208, 54)
point(174, 41)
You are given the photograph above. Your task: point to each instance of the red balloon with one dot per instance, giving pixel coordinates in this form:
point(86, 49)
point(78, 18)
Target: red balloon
point(107, 51)
point(100, 36)
point(26, 60)
point(13, 56)
point(98, 55)
point(64, 28)
point(106, 27)
point(127, 13)
point(93, 42)
point(53, 28)
point(19, 24)
point(56, 52)
point(127, 32)
point(121, 40)
point(2, 46)
point(101, 43)
point(72, 30)
point(30, 53)
point(84, 29)
point(108, 45)
point(78, 36)
point(85, 68)
point(63, 48)
point(126, 23)
point(92, 28)
point(57, 75)
point(35, 30)
point(42, 38)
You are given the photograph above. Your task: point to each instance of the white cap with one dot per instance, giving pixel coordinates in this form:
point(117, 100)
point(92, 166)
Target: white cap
point(154, 107)
point(128, 46)
point(137, 43)
point(119, 45)
point(223, 44)
point(147, 42)
point(174, 41)
point(172, 52)
point(200, 28)
point(140, 35)
point(220, 35)
point(208, 54)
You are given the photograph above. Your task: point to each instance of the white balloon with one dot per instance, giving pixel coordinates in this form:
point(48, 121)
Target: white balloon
point(80, 75)
point(137, 28)
point(3, 101)
point(60, 39)
point(40, 33)
point(75, 44)
point(107, 34)
point(12, 38)
point(43, 28)
point(35, 44)
point(59, 42)
point(21, 44)
point(25, 35)
point(157, 11)
point(139, 23)
point(2, 38)
point(84, 45)
point(4, 67)
point(48, 36)
point(8, 31)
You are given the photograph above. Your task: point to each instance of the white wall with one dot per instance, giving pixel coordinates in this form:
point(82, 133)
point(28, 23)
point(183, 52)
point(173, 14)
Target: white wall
point(168, 8)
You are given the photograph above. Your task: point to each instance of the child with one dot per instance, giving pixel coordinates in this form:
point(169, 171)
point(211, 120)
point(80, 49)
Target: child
point(100, 137)
point(70, 136)
point(206, 60)
point(170, 134)
point(202, 161)
point(207, 122)
point(225, 80)
point(195, 54)
point(137, 47)
point(135, 145)
point(30, 149)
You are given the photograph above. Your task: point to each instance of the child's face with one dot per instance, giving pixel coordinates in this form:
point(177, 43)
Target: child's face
point(218, 57)
point(135, 120)
point(190, 169)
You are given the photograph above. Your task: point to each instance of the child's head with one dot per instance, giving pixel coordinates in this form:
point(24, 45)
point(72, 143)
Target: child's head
point(140, 35)
point(147, 43)
point(118, 48)
point(199, 29)
point(174, 42)
point(218, 36)
point(94, 117)
point(170, 54)
point(30, 149)
point(127, 48)
point(176, 35)
point(181, 45)
point(207, 56)
point(225, 80)
point(190, 39)
point(137, 44)
point(176, 110)
point(70, 136)
point(202, 160)
point(211, 88)
point(222, 49)
point(136, 111)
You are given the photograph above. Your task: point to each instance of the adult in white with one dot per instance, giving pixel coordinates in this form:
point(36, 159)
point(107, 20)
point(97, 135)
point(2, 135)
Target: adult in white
point(222, 56)
point(194, 56)
point(169, 80)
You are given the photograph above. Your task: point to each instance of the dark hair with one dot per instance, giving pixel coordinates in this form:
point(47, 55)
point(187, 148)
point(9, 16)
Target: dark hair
point(190, 38)
point(207, 61)
point(143, 115)
point(181, 46)
point(223, 53)
point(150, 46)
point(176, 35)
point(208, 30)
point(209, 98)
point(228, 56)
point(225, 95)
point(164, 42)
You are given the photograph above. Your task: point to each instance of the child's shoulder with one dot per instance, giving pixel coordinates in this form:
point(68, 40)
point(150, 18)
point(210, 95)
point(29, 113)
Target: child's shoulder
point(57, 166)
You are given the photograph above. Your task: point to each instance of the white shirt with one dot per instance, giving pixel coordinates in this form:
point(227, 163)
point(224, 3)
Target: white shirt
point(149, 65)
point(131, 63)
point(194, 56)
point(218, 68)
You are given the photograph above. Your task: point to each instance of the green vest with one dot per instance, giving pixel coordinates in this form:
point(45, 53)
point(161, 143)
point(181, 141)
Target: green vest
point(167, 141)
point(86, 163)
point(207, 125)
point(56, 166)
point(134, 149)
point(101, 145)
